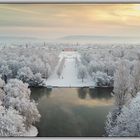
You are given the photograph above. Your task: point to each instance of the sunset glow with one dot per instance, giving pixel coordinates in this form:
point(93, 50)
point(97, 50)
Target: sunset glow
point(57, 20)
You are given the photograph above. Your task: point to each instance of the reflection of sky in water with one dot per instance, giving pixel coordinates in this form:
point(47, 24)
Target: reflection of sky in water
point(72, 112)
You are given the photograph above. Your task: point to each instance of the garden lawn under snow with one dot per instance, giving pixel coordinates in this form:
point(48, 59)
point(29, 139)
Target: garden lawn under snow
point(68, 77)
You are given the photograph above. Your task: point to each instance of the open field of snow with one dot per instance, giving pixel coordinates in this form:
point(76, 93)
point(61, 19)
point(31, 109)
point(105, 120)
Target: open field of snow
point(68, 77)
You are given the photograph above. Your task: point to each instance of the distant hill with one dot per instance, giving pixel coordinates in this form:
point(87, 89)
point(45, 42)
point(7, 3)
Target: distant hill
point(16, 38)
point(89, 37)
point(99, 39)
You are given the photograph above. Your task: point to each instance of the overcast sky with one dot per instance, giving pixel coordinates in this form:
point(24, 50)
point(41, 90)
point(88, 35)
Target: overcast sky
point(57, 20)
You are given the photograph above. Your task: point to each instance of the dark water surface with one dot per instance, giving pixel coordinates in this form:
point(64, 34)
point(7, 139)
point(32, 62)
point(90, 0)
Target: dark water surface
point(72, 111)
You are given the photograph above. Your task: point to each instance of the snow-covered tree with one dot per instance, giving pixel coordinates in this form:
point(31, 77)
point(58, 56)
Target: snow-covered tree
point(13, 66)
point(37, 80)
point(29, 110)
point(47, 71)
point(36, 64)
point(17, 62)
point(18, 97)
point(77, 62)
point(82, 72)
point(128, 122)
point(111, 120)
point(120, 93)
point(102, 79)
point(2, 83)
point(16, 88)
point(135, 79)
point(11, 123)
point(17, 112)
point(121, 84)
point(25, 74)
point(4, 70)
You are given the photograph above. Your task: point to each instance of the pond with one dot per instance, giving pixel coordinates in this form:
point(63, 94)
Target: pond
point(72, 111)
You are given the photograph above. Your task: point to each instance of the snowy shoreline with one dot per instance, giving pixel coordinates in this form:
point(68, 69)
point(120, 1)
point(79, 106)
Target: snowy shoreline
point(33, 132)
point(91, 87)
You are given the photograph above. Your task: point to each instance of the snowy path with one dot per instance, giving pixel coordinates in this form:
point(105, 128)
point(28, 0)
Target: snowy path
point(68, 77)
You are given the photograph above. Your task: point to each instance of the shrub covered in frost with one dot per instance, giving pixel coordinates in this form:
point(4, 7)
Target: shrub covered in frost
point(102, 79)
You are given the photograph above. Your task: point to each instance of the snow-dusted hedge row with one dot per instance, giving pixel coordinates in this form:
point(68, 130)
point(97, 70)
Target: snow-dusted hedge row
point(18, 113)
point(29, 64)
point(101, 62)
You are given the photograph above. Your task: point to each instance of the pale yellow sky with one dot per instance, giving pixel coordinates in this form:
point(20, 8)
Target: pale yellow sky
point(57, 20)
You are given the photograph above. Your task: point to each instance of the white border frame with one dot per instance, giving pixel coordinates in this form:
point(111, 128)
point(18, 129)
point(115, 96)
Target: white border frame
point(70, 1)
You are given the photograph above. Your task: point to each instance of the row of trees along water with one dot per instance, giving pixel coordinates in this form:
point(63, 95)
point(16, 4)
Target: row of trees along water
point(101, 62)
point(30, 64)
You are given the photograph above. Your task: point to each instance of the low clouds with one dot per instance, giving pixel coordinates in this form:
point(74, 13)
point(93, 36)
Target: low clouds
point(56, 20)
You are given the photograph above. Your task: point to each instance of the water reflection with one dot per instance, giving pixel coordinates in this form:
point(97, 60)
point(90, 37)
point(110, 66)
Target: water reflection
point(82, 92)
point(59, 121)
point(69, 112)
point(39, 92)
point(100, 93)
point(96, 93)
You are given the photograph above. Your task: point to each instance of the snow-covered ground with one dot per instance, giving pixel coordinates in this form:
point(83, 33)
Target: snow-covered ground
point(32, 132)
point(68, 77)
